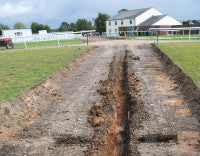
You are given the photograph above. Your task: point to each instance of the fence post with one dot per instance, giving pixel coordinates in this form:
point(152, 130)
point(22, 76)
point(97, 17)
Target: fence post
point(157, 36)
point(58, 41)
point(87, 38)
point(189, 33)
point(25, 43)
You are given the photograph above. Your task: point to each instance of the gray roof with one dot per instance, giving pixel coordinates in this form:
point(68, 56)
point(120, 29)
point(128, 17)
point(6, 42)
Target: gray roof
point(150, 21)
point(128, 14)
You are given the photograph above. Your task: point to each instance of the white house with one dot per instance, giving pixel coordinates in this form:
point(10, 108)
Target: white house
point(17, 33)
point(125, 23)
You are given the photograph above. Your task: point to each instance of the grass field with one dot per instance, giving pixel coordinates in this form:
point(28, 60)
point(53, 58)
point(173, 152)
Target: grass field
point(185, 55)
point(44, 43)
point(21, 69)
point(161, 37)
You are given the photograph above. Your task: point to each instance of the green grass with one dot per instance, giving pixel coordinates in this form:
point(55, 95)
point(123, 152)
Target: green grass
point(161, 37)
point(44, 43)
point(186, 56)
point(21, 69)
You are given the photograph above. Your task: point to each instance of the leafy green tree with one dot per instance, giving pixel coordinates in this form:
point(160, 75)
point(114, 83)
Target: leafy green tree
point(100, 22)
point(34, 27)
point(72, 27)
point(64, 26)
point(46, 27)
point(122, 10)
point(83, 24)
point(3, 27)
point(40, 27)
point(19, 25)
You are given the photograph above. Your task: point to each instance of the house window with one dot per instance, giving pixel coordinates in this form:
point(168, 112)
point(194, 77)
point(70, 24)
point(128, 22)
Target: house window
point(109, 23)
point(116, 30)
point(110, 31)
point(18, 34)
point(115, 22)
point(122, 22)
point(131, 22)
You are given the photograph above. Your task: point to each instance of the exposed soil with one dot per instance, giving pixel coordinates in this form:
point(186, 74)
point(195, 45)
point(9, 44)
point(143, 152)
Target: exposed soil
point(185, 83)
point(119, 99)
point(120, 106)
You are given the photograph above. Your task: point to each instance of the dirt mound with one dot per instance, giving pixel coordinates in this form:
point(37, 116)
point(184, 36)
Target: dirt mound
point(98, 116)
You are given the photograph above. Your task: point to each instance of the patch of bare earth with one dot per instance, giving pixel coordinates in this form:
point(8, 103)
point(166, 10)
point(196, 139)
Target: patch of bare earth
point(117, 100)
point(120, 106)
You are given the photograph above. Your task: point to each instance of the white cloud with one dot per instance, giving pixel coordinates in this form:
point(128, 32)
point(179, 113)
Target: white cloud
point(11, 10)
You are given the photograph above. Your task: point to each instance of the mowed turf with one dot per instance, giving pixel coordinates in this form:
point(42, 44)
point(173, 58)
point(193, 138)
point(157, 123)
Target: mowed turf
point(186, 56)
point(21, 69)
point(44, 43)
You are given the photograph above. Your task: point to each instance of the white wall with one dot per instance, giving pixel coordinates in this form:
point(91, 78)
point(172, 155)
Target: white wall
point(167, 20)
point(151, 12)
point(17, 32)
point(113, 27)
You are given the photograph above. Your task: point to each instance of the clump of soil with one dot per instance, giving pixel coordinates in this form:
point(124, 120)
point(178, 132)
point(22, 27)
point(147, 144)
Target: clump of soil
point(98, 116)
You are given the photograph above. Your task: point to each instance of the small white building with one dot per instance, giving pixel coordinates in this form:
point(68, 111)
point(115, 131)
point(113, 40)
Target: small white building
point(17, 33)
point(125, 23)
point(42, 32)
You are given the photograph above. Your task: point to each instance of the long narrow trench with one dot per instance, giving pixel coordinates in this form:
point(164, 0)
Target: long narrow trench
point(119, 101)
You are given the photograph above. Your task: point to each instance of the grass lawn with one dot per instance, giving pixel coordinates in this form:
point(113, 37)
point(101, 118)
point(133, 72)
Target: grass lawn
point(44, 43)
point(21, 69)
point(186, 56)
point(161, 37)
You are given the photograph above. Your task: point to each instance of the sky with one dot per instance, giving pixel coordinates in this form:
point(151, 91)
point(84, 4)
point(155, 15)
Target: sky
point(54, 12)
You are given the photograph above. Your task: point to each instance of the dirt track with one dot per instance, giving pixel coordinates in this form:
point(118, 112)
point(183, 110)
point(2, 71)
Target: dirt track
point(115, 100)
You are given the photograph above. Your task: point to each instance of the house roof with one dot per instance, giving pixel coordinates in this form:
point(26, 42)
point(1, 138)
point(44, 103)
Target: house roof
point(152, 20)
point(128, 14)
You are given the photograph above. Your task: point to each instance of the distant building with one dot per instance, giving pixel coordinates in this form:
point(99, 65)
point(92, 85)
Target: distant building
point(190, 23)
point(125, 23)
point(17, 33)
point(42, 32)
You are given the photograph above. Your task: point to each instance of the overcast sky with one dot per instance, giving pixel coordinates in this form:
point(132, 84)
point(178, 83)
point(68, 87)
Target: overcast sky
point(53, 12)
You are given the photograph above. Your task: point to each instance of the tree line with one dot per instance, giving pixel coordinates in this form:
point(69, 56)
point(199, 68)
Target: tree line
point(80, 24)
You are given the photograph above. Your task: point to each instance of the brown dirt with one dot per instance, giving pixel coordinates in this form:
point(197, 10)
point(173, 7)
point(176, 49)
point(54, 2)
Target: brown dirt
point(119, 95)
point(185, 83)
point(133, 106)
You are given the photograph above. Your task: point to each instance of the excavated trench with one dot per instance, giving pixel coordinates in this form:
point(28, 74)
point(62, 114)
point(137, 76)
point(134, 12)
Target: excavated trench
point(120, 103)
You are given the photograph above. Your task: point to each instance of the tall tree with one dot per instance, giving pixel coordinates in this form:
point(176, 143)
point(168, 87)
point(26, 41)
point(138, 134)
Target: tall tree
point(46, 27)
point(64, 26)
point(19, 25)
point(83, 24)
point(3, 27)
point(72, 27)
point(34, 27)
point(100, 22)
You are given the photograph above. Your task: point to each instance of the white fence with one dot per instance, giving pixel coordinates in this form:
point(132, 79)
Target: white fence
point(46, 37)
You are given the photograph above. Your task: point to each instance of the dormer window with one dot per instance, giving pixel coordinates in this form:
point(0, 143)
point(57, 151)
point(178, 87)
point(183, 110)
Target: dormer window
point(115, 22)
point(122, 22)
point(109, 23)
point(131, 21)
